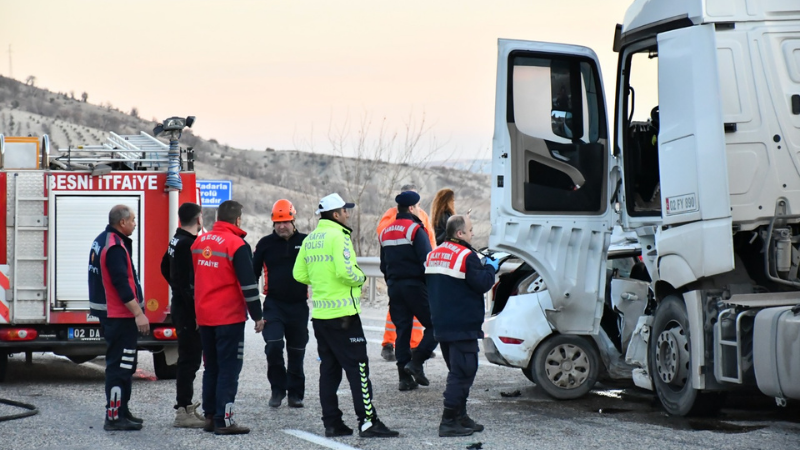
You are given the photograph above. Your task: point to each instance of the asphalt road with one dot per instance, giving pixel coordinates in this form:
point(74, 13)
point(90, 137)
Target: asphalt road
point(71, 403)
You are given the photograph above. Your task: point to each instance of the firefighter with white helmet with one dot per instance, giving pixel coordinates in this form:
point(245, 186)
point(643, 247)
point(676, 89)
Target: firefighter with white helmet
point(285, 306)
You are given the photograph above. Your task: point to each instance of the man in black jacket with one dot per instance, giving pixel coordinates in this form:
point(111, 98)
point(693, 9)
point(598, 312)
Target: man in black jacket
point(285, 306)
point(457, 280)
point(404, 247)
point(178, 270)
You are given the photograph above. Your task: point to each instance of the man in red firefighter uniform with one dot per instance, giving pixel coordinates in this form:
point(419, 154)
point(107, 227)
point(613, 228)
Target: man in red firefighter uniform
point(178, 269)
point(115, 297)
point(404, 247)
point(457, 280)
point(285, 306)
point(225, 290)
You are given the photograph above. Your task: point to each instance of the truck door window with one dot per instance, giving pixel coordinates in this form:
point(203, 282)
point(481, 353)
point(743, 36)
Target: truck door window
point(558, 148)
point(640, 141)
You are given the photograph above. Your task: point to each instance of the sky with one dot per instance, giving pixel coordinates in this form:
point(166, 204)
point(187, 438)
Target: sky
point(281, 74)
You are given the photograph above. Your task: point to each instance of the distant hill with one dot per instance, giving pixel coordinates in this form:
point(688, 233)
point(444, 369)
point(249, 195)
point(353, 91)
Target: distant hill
point(259, 177)
point(483, 166)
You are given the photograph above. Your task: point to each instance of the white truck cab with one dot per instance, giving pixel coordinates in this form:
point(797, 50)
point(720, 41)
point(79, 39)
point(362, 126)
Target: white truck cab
point(701, 162)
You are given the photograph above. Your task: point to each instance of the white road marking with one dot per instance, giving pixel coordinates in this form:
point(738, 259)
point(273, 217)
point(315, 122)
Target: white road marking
point(370, 328)
point(319, 440)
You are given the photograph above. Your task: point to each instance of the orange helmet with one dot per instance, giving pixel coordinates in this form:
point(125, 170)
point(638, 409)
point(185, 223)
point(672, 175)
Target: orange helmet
point(283, 211)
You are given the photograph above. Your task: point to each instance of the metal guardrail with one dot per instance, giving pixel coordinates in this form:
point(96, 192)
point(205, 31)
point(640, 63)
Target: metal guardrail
point(371, 266)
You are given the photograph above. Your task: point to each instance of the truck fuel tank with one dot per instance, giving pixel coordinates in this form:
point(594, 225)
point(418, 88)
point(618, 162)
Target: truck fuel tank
point(776, 346)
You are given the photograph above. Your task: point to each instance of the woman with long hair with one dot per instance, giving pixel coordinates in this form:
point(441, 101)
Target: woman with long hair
point(443, 207)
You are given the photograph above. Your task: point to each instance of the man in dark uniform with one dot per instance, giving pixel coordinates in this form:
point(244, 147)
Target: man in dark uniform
point(404, 247)
point(285, 306)
point(225, 290)
point(457, 280)
point(177, 269)
point(115, 297)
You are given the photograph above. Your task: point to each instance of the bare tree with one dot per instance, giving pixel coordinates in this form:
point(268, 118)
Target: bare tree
point(84, 97)
point(375, 160)
point(135, 112)
point(31, 80)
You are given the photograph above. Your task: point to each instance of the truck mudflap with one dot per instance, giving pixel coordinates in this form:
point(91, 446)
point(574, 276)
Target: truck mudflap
point(776, 344)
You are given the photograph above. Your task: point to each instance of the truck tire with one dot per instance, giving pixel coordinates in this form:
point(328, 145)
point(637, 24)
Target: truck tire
point(566, 366)
point(3, 366)
point(670, 360)
point(162, 369)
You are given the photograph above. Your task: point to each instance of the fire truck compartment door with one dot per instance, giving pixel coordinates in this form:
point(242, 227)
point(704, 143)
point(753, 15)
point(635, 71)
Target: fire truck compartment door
point(551, 174)
point(78, 221)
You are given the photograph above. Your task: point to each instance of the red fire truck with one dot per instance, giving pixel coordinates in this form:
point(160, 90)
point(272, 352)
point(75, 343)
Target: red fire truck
point(55, 205)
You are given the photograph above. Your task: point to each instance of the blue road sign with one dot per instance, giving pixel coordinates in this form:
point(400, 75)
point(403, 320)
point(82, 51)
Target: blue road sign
point(214, 192)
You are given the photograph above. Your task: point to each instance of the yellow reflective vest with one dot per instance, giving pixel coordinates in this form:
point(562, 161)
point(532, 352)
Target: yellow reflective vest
point(328, 263)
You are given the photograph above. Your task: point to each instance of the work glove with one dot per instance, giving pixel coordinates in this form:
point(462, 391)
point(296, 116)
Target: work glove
point(494, 263)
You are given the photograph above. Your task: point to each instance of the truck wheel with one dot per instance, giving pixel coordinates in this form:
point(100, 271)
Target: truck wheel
point(670, 360)
point(162, 369)
point(3, 366)
point(566, 366)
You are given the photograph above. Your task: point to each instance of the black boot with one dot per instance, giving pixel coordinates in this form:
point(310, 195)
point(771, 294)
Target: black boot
point(338, 429)
point(407, 382)
point(450, 425)
point(467, 422)
point(126, 413)
point(414, 368)
point(276, 399)
point(375, 428)
point(121, 424)
point(387, 352)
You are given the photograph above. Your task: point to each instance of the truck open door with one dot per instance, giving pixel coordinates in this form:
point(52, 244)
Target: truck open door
point(552, 174)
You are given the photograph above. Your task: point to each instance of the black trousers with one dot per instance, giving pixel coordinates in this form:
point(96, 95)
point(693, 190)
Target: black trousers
point(409, 299)
point(342, 346)
point(223, 346)
point(121, 336)
point(461, 358)
point(289, 322)
point(190, 355)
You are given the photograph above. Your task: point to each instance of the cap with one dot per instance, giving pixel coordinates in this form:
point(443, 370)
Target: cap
point(407, 198)
point(331, 202)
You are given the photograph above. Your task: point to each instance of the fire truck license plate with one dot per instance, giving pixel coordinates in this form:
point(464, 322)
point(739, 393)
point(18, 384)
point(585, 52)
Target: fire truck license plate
point(84, 334)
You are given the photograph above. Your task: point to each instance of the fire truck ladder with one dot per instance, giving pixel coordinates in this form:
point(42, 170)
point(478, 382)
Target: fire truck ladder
point(29, 280)
point(136, 151)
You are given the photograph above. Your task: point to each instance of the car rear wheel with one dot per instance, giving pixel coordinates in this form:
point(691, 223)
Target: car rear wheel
point(566, 366)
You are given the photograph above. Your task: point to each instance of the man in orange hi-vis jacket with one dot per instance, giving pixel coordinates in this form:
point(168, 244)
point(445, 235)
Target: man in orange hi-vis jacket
point(390, 333)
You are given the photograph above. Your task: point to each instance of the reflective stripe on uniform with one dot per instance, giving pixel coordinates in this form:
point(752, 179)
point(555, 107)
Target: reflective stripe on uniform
point(98, 306)
point(445, 271)
point(221, 254)
point(333, 303)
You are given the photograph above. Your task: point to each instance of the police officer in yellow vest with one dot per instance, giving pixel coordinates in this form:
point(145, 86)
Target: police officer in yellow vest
point(327, 262)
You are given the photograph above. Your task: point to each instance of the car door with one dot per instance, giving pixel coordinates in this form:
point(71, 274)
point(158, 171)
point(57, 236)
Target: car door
point(551, 174)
